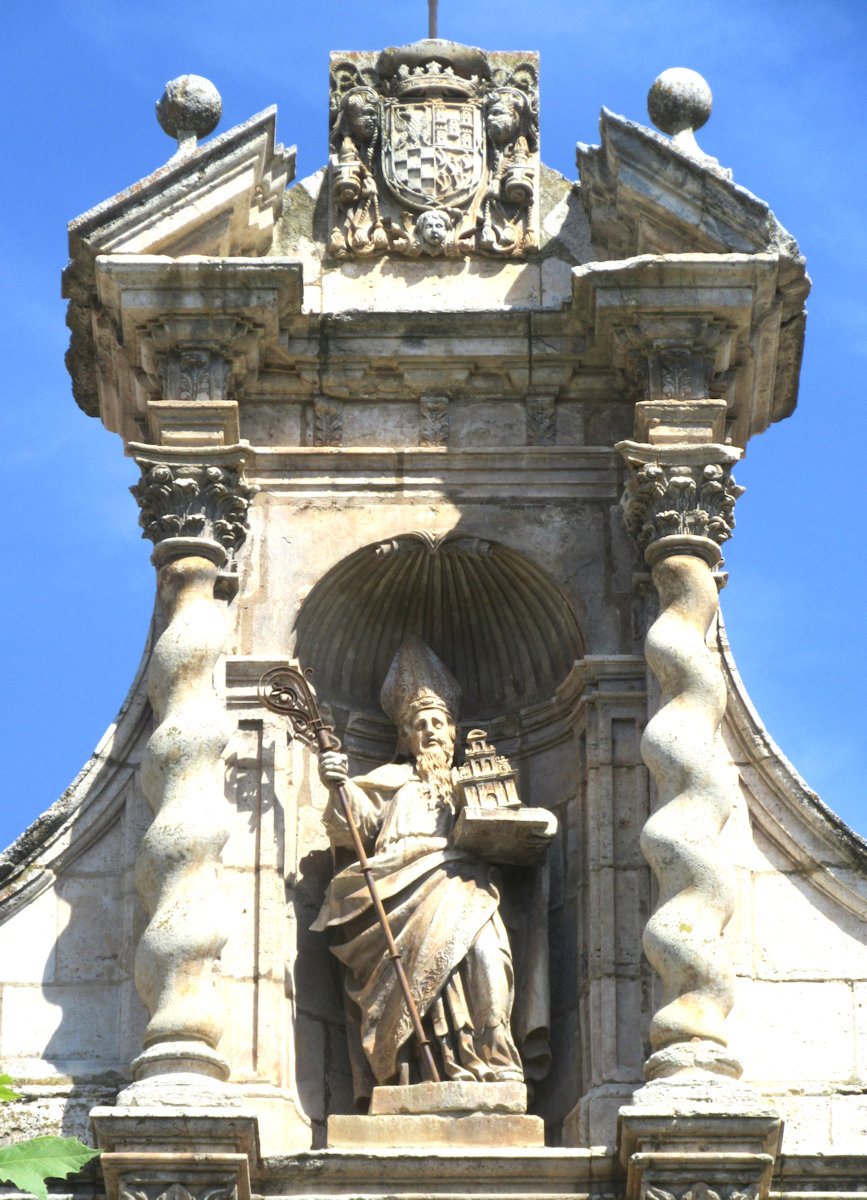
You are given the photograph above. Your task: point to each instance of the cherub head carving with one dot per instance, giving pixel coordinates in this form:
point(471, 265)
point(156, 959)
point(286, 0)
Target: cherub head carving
point(433, 228)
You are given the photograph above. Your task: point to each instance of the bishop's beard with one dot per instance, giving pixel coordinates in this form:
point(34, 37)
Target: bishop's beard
point(433, 764)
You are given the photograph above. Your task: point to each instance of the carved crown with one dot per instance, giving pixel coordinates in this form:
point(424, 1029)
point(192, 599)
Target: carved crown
point(433, 67)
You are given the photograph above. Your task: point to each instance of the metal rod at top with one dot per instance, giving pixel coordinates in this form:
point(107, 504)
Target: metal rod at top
point(432, 18)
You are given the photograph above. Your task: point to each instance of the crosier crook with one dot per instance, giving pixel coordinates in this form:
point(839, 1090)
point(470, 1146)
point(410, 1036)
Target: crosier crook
point(287, 691)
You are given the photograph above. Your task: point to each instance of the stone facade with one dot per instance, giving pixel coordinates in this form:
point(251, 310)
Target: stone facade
point(525, 459)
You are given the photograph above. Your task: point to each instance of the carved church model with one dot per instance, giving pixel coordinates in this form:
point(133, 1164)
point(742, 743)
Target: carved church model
point(437, 396)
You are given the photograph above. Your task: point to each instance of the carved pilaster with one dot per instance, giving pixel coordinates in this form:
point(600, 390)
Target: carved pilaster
point(679, 505)
point(196, 409)
point(679, 367)
point(195, 513)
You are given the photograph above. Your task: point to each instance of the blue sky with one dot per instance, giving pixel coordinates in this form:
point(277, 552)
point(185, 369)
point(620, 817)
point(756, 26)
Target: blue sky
point(79, 82)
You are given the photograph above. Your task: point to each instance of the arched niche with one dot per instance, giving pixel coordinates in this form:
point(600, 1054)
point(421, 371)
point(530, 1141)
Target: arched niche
point(501, 624)
point(508, 632)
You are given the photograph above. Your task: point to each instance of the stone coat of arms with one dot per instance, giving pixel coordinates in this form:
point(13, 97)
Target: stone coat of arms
point(434, 150)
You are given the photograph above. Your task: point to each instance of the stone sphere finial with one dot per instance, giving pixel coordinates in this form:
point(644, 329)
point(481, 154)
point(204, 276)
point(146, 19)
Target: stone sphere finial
point(189, 108)
point(679, 102)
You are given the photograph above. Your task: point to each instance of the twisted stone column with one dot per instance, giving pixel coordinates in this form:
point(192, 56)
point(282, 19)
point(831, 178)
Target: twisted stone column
point(195, 514)
point(680, 506)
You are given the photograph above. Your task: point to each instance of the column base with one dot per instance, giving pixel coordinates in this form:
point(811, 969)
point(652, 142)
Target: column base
point(182, 1074)
point(698, 1133)
point(148, 1151)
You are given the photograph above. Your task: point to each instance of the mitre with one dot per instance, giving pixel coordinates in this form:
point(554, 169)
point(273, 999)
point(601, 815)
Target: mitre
point(418, 679)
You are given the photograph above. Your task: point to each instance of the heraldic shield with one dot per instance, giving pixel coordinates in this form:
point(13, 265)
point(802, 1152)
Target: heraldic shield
point(433, 152)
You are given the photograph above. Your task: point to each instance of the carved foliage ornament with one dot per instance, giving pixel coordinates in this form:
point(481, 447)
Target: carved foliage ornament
point(434, 424)
point(701, 1191)
point(541, 421)
point(327, 424)
point(662, 499)
point(177, 1191)
point(192, 500)
point(434, 151)
point(196, 375)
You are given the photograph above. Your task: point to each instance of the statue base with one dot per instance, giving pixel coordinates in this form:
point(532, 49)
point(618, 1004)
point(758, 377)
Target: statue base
point(482, 1130)
point(452, 1097)
point(453, 1113)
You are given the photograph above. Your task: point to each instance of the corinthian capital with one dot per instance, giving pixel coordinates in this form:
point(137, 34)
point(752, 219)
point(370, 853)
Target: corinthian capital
point(680, 499)
point(202, 502)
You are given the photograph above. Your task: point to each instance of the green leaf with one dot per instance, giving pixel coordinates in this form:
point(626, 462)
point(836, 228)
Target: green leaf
point(6, 1090)
point(28, 1164)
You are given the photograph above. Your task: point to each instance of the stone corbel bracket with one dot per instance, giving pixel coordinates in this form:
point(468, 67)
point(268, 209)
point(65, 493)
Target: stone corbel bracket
point(722, 313)
point(155, 314)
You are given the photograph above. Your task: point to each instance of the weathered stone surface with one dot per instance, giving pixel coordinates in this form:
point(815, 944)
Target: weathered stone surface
point(488, 1130)
point(520, 837)
point(455, 1097)
point(433, 440)
point(434, 152)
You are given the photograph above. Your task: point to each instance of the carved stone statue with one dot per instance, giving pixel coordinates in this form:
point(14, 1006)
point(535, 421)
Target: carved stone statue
point(443, 901)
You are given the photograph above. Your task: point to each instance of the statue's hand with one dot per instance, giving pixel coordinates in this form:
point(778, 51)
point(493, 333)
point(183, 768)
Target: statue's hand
point(333, 767)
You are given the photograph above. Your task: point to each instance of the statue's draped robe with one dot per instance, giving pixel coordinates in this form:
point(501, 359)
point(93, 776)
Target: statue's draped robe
point(443, 910)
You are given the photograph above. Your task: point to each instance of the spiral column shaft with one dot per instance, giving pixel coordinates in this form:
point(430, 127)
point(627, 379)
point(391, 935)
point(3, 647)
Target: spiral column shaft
point(679, 504)
point(681, 747)
point(194, 509)
point(178, 866)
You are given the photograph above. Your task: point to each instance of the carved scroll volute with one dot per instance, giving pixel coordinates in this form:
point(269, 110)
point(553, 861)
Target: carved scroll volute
point(195, 513)
point(679, 508)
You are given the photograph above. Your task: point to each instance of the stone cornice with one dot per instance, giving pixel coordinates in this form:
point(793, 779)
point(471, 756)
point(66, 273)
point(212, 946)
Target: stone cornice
point(151, 307)
point(643, 194)
point(728, 303)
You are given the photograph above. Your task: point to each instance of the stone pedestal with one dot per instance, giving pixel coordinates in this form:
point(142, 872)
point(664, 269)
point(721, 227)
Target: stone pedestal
point(199, 1153)
point(441, 1114)
point(710, 1138)
point(431, 1129)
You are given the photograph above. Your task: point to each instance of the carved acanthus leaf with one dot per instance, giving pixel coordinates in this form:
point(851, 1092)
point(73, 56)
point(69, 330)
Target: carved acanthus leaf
point(434, 427)
point(700, 1190)
point(662, 498)
point(159, 1190)
point(195, 375)
point(541, 421)
point(192, 500)
point(327, 424)
point(454, 541)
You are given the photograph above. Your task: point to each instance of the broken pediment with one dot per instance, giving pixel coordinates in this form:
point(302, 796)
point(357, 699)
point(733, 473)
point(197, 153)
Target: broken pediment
point(220, 199)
